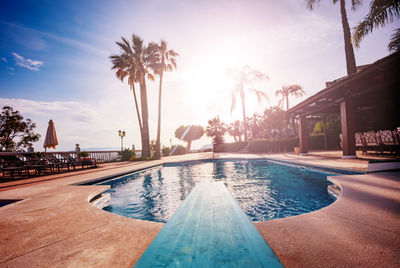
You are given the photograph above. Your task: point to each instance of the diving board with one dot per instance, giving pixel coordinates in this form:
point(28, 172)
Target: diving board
point(209, 230)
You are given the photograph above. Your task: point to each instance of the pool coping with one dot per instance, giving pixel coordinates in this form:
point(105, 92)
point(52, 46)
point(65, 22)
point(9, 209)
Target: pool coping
point(65, 245)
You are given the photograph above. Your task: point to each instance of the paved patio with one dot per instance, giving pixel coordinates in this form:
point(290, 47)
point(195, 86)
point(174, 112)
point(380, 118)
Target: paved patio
point(55, 225)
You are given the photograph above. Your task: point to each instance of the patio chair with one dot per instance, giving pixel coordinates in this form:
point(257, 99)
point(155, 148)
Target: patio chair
point(57, 163)
point(79, 162)
point(38, 164)
point(389, 140)
point(360, 142)
point(372, 141)
point(12, 164)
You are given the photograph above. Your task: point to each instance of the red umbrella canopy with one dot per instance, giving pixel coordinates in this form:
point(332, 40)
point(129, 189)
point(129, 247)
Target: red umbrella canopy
point(51, 137)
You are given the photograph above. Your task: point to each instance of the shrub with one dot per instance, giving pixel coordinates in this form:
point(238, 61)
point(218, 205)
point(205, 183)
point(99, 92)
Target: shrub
point(166, 151)
point(179, 150)
point(230, 147)
point(127, 154)
point(83, 154)
point(316, 142)
point(272, 146)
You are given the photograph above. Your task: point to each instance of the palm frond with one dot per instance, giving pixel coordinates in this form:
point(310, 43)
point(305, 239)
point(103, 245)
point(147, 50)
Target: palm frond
point(296, 90)
point(312, 3)
point(381, 12)
point(259, 94)
point(394, 44)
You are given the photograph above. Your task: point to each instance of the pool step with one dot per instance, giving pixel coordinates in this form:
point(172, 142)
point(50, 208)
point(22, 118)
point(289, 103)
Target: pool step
point(209, 230)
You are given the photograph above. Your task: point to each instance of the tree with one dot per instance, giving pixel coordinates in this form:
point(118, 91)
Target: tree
point(242, 79)
point(293, 90)
point(348, 47)
point(193, 133)
point(235, 129)
point(381, 12)
point(216, 129)
point(274, 121)
point(134, 62)
point(164, 62)
point(14, 131)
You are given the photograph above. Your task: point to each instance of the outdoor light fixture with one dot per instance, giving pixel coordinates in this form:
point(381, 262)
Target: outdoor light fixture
point(122, 135)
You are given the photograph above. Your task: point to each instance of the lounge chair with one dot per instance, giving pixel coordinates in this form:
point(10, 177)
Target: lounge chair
point(12, 164)
point(34, 161)
point(57, 163)
point(78, 162)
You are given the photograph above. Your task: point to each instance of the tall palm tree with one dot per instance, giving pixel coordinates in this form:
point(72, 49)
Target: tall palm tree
point(242, 79)
point(381, 12)
point(133, 62)
point(293, 90)
point(164, 62)
point(216, 129)
point(348, 47)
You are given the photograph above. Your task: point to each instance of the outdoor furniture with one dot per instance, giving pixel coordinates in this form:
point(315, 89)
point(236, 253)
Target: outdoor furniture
point(34, 161)
point(360, 142)
point(388, 140)
point(57, 163)
point(79, 162)
point(371, 141)
point(12, 164)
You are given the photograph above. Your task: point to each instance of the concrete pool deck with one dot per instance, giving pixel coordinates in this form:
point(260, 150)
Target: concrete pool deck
point(55, 225)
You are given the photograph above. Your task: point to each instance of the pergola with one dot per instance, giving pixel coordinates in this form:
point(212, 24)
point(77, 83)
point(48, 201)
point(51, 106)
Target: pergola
point(374, 88)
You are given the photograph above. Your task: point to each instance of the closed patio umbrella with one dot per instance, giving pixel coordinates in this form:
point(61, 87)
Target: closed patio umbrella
point(51, 137)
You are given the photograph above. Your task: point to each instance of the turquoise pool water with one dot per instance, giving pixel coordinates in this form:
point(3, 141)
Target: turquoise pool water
point(264, 190)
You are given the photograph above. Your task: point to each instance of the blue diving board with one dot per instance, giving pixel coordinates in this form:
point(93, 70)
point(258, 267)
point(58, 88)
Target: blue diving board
point(209, 230)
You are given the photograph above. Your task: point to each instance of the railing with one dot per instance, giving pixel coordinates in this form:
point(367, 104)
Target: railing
point(100, 156)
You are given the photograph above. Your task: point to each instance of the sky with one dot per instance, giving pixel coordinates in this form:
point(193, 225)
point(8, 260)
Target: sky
point(54, 60)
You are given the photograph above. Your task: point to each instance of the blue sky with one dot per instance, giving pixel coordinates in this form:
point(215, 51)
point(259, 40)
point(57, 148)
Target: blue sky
point(54, 59)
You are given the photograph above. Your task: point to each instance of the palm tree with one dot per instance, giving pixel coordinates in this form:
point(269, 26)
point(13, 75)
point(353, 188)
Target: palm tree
point(235, 129)
point(381, 12)
point(133, 62)
point(242, 79)
point(216, 129)
point(294, 90)
point(348, 47)
point(165, 62)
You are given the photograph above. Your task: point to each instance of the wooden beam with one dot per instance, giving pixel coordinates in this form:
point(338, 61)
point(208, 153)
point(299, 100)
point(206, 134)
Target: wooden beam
point(303, 135)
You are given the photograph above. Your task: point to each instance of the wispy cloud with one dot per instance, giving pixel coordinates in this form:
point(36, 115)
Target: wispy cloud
point(33, 65)
point(4, 60)
point(54, 37)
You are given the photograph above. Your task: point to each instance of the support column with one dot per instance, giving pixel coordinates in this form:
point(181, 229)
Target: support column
point(303, 135)
point(347, 112)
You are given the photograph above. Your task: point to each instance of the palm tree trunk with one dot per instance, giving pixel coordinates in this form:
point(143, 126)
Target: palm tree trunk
point(287, 103)
point(137, 109)
point(348, 47)
point(145, 119)
point(244, 116)
point(158, 142)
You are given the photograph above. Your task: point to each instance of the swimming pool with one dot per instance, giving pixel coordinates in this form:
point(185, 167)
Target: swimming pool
point(264, 189)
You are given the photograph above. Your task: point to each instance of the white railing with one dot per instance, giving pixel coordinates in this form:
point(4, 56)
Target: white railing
point(100, 156)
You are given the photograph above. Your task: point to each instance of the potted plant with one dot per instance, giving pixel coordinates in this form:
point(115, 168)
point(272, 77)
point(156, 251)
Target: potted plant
point(296, 150)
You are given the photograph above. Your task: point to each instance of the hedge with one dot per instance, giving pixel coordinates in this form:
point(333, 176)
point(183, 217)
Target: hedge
point(285, 145)
point(230, 147)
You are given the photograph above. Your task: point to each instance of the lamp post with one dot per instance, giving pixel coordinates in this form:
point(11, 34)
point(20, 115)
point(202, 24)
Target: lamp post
point(122, 135)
